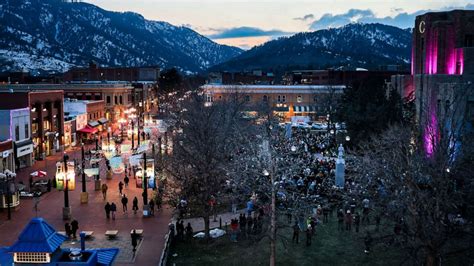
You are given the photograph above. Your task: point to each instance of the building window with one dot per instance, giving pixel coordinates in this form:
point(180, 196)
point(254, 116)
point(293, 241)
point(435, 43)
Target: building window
point(283, 98)
point(299, 98)
point(265, 98)
point(108, 99)
point(279, 98)
point(46, 125)
point(209, 98)
point(34, 128)
point(97, 97)
point(116, 100)
point(17, 132)
point(27, 132)
point(315, 99)
point(121, 102)
point(247, 98)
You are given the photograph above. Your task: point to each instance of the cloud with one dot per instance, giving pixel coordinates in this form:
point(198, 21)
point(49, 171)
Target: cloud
point(401, 19)
point(240, 32)
point(305, 17)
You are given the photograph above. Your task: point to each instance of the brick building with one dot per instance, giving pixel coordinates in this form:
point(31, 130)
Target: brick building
point(46, 117)
point(243, 78)
point(315, 101)
point(98, 73)
point(334, 77)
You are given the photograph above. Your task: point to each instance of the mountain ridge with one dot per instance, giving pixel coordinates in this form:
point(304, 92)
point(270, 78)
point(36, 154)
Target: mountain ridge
point(353, 45)
point(53, 36)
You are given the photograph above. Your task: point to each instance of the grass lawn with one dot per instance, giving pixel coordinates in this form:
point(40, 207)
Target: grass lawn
point(329, 247)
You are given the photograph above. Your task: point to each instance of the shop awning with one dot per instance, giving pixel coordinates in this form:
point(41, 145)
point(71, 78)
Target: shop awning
point(88, 130)
point(93, 123)
point(304, 109)
point(103, 120)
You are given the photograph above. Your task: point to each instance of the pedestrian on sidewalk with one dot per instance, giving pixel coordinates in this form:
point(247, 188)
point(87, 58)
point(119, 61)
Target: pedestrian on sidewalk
point(113, 209)
point(74, 227)
point(135, 205)
point(124, 203)
point(104, 190)
point(126, 180)
point(120, 187)
point(134, 236)
point(67, 228)
point(107, 210)
point(152, 207)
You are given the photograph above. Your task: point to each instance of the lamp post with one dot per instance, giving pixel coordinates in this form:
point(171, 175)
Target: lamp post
point(145, 187)
point(84, 194)
point(133, 133)
point(67, 208)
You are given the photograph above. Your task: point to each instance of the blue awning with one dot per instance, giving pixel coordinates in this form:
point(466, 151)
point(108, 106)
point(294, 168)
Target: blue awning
point(38, 236)
point(106, 256)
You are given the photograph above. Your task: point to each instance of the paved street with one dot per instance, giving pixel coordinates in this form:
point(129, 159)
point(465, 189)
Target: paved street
point(91, 216)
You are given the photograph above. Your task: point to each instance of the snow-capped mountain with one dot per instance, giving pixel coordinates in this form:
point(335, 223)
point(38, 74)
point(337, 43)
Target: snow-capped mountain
point(50, 35)
point(354, 45)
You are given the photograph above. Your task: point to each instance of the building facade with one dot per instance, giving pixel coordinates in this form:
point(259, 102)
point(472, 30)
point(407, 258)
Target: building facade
point(442, 80)
point(98, 73)
point(288, 101)
point(15, 125)
point(7, 156)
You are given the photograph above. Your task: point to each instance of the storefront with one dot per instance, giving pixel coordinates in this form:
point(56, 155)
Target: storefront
point(24, 153)
point(6, 156)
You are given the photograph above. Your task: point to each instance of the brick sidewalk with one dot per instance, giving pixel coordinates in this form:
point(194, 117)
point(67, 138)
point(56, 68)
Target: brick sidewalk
point(91, 216)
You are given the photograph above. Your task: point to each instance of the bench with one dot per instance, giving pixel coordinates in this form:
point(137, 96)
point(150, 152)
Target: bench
point(139, 232)
point(62, 233)
point(88, 234)
point(111, 233)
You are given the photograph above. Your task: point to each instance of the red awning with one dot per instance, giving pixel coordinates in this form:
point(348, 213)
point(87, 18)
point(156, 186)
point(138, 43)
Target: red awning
point(88, 130)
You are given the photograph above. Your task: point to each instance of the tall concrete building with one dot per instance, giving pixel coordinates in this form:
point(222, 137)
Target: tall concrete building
point(442, 74)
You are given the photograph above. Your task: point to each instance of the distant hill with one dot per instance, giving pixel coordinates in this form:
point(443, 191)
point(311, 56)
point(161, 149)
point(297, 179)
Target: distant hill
point(52, 36)
point(354, 45)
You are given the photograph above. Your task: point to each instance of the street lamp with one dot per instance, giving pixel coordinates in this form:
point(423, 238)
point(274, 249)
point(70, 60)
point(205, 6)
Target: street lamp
point(65, 179)
point(84, 194)
point(348, 138)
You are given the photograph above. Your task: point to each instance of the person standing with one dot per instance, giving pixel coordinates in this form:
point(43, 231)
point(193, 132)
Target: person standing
point(189, 231)
point(107, 210)
point(120, 187)
point(74, 227)
point(135, 205)
point(113, 209)
point(296, 233)
point(134, 236)
point(340, 220)
point(309, 235)
point(124, 203)
point(348, 220)
point(366, 209)
point(67, 227)
point(152, 207)
point(104, 190)
point(126, 180)
point(357, 221)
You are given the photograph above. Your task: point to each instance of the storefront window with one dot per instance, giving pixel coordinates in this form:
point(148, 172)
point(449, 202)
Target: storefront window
point(27, 132)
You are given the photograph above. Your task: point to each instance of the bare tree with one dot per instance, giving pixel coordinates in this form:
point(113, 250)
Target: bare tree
point(423, 180)
point(205, 137)
point(265, 168)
